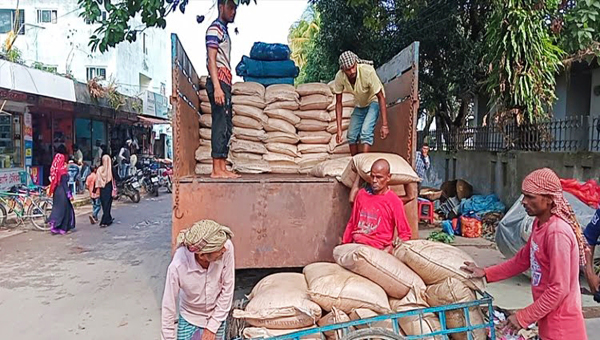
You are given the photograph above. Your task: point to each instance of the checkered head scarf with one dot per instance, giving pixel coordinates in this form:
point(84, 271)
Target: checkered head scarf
point(546, 182)
point(349, 59)
point(204, 237)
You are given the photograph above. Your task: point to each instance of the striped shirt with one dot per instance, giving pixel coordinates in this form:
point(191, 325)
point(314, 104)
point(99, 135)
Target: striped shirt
point(217, 37)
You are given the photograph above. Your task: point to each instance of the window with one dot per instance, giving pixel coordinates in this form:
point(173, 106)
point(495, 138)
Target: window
point(100, 18)
point(96, 72)
point(48, 16)
point(10, 141)
point(7, 21)
point(144, 48)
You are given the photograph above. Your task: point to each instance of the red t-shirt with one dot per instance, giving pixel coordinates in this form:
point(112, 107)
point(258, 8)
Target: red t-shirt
point(553, 256)
point(374, 218)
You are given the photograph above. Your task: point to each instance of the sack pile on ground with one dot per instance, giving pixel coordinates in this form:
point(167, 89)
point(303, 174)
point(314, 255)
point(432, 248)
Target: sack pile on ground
point(279, 129)
point(363, 283)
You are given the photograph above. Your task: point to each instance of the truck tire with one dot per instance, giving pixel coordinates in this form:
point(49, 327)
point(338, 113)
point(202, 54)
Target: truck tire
point(373, 333)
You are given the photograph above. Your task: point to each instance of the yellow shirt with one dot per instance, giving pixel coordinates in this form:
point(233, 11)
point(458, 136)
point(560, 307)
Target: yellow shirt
point(365, 89)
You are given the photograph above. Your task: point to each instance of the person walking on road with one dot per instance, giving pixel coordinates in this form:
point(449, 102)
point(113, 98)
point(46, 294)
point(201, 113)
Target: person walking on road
point(105, 186)
point(554, 253)
point(90, 184)
point(218, 86)
point(359, 77)
point(200, 280)
point(62, 217)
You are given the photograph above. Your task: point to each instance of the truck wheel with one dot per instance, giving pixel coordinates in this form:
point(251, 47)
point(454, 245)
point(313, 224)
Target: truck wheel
point(235, 327)
point(373, 333)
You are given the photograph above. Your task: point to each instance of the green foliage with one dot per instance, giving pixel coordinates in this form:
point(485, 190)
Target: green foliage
point(579, 29)
point(14, 55)
point(302, 38)
point(41, 66)
point(440, 236)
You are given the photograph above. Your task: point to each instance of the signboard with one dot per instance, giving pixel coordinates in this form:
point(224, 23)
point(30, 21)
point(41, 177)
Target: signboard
point(36, 174)
point(10, 178)
point(155, 105)
point(28, 152)
point(149, 107)
point(27, 127)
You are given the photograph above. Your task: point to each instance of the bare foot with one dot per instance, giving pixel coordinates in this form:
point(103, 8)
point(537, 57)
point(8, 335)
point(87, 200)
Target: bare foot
point(219, 175)
point(231, 174)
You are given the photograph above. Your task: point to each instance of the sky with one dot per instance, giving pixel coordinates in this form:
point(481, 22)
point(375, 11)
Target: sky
point(267, 21)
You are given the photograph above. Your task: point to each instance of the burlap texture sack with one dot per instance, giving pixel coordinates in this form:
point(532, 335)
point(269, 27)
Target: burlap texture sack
point(281, 93)
point(314, 88)
point(346, 113)
point(308, 161)
point(205, 142)
point(361, 314)
point(380, 267)
point(203, 80)
point(412, 325)
point(281, 137)
point(330, 168)
point(203, 94)
point(330, 285)
point(246, 146)
point(313, 148)
point(247, 122)
point(336, 316)
point(253, 135)
point(402, 172)
point(251, 167)
point(347, 101)
point(287, 115)
point(280, 301)
point(248, 89)
point(332, 126)
point(283, 148)
point(286, 105)
point(205, 108)
point(311, 125)
point(250, 111)
point(245, 157)
point(205, 133)
point(258, 333)
point(283, 167)
point(202, 154)
point(314, 137)
point(315, 102)
point(254, 101)
point(206, 121)
point(320, 115)
point(279, 125)
point(274, 157)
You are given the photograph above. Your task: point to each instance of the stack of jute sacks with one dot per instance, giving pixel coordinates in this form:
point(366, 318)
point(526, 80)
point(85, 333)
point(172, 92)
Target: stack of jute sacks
point(366, 282)
point(280, 130)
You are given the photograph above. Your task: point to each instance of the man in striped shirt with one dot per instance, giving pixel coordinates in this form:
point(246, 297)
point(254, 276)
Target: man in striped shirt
point(218, 86)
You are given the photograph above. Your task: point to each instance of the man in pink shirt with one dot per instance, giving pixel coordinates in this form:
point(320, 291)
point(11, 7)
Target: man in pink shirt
point(554, 252)
point(200, 279)
point(377, 213)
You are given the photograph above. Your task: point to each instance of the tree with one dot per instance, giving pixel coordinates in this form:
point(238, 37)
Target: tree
point(302, 39)
point(117, 27)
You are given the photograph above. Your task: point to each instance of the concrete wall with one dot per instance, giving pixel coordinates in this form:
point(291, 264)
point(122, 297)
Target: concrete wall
point(65, 46)
point(502, 173)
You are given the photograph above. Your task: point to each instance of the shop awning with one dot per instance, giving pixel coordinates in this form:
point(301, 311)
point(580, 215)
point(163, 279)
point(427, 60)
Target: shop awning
point(149, 121)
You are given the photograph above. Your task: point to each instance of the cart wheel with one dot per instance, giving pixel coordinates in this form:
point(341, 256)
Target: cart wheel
point(373, 333)
point(235, 327)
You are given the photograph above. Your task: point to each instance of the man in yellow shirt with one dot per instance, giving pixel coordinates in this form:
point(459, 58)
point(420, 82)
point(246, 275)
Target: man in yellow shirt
point(359, 77)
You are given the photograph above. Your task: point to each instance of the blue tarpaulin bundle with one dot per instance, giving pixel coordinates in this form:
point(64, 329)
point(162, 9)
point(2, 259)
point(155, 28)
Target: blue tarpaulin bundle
point(266, 69)
point(270, 81)
point(479, 205)
point(270, 52)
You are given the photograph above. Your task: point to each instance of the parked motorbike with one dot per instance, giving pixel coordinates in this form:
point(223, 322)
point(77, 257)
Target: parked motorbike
point(165, 177)
point(129, 187)
point(149, 180)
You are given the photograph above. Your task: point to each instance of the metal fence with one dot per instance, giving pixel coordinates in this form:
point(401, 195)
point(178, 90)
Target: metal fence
point(581, 133)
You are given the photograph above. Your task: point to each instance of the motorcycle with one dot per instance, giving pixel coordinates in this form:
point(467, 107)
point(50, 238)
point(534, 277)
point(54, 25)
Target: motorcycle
point(129, 187)
point(149, 180)
point(165, 177)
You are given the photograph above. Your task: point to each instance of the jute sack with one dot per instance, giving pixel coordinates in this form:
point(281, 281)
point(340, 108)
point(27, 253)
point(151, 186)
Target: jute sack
point(245, 157)
point(249, 134)
point(347, 101)
point(314, 137)
point(206, 121)
point(380, 267)
point(334, 317)
point(330, 168)
point(434, 262)
point(250, 111)
point(315, 102)
point(411, 325)
point(205, 108)
point(281, 137)
point(308, 161)
point(246, 146)
point(362, 313)
point(286, 105)
point(283, 167)
point(248, 89)
point(205, 133)
point(336, 148)
point(279, 125)
point(283, 148)
point(332, 126)
point(346, 113)
point(249, 101)
point(251, 167)
point(281, 93)
point(257, 333)
point(287, 115)
point(203, 94)
point(319, 115)
point(313, 148)
point(330, 285)
point(273, 157)
point(311, 125)
point(280, 301)
point(203, 80)
point(246, 122)
point(402, 172)
point(202, 154)
point(205, 142)
point(451, 291)
point(314, 88)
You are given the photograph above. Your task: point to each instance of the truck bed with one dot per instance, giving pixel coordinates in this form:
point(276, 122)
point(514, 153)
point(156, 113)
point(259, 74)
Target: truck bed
point(260, 178)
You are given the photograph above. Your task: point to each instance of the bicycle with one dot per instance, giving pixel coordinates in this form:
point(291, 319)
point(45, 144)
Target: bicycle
point(31, 204)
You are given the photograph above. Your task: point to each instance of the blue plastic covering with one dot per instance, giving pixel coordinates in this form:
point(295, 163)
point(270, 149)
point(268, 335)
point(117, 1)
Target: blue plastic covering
point(266, 69)
point(447, 227)
point(270, 81)
point(479, 205)
point(270, 52)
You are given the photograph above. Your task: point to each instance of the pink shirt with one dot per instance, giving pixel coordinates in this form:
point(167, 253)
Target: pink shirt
point(374, 218)
point(553, 256)
point(205, 295)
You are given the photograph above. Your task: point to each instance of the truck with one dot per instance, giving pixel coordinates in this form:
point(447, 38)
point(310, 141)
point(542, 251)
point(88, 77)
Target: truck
point(282, 221)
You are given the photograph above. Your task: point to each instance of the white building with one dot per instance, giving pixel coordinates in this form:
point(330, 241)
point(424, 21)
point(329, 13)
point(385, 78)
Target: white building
point(53, 34)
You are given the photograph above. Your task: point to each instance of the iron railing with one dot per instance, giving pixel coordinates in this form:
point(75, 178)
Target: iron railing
point(572, 134)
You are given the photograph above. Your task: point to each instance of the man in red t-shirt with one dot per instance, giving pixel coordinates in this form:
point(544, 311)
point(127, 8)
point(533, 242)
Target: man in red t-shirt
point(377, 213)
